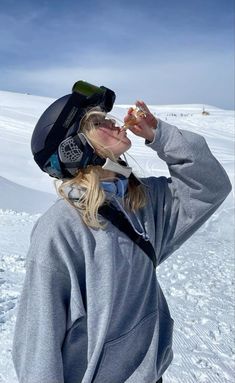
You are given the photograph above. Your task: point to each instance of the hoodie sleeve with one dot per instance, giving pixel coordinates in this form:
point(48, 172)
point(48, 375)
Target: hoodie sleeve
point(46, 311)
point(197, 187)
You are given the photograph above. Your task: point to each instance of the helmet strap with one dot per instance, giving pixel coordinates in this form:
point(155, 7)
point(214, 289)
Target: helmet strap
point(117, 168)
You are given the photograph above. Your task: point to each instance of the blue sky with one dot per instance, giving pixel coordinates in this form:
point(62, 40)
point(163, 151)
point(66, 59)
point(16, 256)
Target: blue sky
point(164, 52)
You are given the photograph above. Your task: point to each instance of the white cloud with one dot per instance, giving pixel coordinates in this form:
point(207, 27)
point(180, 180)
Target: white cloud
point(183, 79)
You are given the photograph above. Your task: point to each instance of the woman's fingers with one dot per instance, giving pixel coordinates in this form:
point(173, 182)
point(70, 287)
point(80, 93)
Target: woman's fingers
point(142, 105)
point(136, 130)
point(150, 119)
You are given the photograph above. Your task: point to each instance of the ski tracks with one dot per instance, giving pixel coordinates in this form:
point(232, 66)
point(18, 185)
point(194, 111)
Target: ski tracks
point(15, 231)
point(198, 281)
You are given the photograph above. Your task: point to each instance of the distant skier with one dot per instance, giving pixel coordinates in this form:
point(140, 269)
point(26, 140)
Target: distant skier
point(91, 308)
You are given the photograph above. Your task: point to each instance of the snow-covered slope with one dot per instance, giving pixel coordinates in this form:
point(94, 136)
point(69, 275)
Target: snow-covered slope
point(18, 115)
point(197, 280)
point(20, 198)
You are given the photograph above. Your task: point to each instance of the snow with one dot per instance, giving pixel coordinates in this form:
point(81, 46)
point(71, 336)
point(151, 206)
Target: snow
point(198, 279)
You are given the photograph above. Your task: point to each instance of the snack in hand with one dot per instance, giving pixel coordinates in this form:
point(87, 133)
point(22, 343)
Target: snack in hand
point(133, 114)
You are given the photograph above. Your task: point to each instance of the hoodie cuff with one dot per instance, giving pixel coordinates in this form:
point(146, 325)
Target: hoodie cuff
point(154, 144)
point(147, 142)
point(163, 135)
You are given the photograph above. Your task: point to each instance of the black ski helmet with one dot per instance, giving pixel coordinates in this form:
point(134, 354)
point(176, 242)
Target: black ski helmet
point(57, 146)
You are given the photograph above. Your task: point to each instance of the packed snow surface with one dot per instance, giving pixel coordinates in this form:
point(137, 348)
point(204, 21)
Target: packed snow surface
point(198, 279)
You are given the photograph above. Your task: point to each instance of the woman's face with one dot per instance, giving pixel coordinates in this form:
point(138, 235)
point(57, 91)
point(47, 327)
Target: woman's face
point(110, 136)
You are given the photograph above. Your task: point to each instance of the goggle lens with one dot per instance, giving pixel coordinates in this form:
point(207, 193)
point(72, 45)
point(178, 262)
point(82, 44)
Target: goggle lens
point(87, 89)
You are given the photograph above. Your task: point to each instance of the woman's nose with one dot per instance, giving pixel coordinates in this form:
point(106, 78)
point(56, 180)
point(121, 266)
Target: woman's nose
point(111, 123)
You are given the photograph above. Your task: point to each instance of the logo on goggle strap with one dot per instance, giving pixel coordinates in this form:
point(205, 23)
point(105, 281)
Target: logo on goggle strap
point(69, 151)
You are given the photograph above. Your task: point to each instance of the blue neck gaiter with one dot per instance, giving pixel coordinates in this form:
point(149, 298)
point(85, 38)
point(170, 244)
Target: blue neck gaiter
point(117, 187)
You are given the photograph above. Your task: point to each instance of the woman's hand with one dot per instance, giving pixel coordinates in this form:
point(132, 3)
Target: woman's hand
point(141, 123)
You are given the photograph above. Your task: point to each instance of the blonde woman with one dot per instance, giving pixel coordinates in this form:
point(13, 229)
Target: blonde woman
point(91, 308)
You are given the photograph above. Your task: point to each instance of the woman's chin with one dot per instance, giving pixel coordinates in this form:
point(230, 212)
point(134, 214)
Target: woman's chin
point(128, 143)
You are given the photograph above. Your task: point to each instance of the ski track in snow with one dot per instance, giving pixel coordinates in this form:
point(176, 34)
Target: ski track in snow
point(198, 281)
point(15, 231)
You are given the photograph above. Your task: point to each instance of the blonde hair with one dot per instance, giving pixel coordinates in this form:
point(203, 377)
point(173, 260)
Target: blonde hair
point(88, 179)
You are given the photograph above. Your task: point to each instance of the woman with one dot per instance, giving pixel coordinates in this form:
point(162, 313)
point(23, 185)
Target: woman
point(91, 308)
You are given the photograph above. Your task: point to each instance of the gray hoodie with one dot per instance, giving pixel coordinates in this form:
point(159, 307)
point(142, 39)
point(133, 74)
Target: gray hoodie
point(91, 308)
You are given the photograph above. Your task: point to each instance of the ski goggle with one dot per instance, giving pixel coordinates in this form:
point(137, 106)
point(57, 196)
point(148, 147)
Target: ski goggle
point(95, 95)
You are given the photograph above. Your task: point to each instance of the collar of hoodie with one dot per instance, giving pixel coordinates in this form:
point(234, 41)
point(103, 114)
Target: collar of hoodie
point(115, 192)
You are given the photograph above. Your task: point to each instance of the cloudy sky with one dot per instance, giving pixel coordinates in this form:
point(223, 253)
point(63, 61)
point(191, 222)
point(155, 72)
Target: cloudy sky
point(161, 51)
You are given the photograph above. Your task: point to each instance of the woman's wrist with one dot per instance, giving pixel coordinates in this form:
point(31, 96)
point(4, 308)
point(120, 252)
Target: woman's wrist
point(150, 136)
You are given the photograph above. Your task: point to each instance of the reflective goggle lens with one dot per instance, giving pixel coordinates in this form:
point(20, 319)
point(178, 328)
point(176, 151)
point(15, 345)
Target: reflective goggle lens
point(87, 89)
